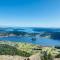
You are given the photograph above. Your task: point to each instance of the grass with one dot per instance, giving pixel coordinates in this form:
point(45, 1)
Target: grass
point(26, 49)
point(17, 48)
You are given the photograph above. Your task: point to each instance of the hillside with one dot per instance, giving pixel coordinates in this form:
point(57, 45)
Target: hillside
point(16, 48)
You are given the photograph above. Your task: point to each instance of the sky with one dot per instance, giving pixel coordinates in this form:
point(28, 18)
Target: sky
point(30, 13)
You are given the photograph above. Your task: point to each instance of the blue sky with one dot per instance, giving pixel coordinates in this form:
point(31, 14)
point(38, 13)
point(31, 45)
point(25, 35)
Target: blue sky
point(30, 13)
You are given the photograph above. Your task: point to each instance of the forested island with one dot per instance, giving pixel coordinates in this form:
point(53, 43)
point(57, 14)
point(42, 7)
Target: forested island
point(44, 34)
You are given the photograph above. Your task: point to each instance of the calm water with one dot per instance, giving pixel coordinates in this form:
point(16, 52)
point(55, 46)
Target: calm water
point(38, 41)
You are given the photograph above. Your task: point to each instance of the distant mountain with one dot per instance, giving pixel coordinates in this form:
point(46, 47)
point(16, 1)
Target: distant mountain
point(46, 29)
point(52, 33)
